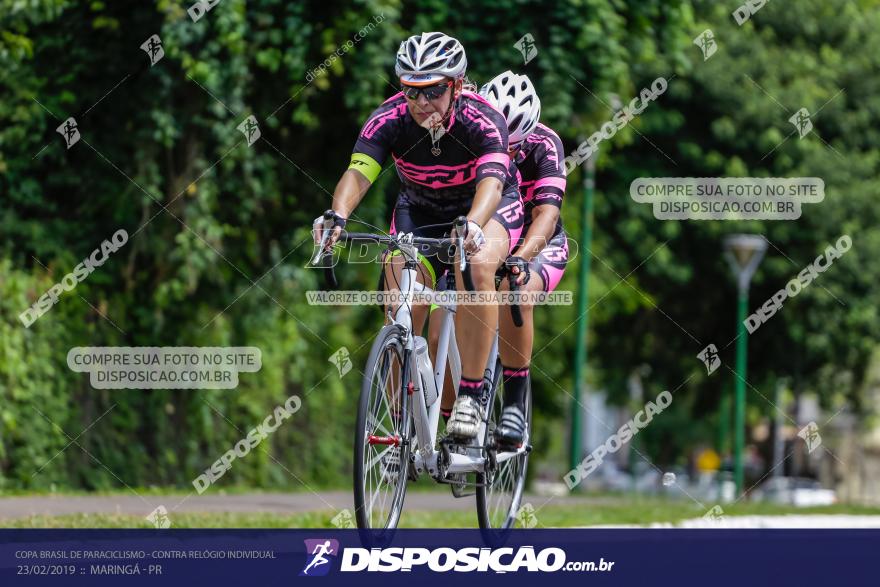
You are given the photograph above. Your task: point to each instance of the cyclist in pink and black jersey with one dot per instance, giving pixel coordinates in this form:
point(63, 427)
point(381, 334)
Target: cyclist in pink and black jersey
point(450, 149)
point(540, 259)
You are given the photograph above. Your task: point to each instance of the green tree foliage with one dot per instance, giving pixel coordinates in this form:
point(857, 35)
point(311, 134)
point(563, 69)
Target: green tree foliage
point(219, 230)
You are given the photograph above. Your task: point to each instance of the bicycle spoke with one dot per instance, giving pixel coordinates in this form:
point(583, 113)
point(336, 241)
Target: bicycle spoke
point(385, 401)
point(375, 425)
point(377, 474)
point(499, 500)
point(382, 465)
point(375, 459)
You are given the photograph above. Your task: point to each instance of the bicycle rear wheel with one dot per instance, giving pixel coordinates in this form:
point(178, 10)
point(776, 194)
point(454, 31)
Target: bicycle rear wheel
point(498, 500)
point(382, 436)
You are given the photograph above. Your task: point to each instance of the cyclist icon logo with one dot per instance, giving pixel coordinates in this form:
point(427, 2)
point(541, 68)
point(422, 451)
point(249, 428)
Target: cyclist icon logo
point(526, 46)
point(810, 434)
point(317, 551)
point(715, 514)
point(69, 131)
point(250, 129)
point(801, 121)
point(710, 358)
point(706, 42)
point(159, 518)
point(343, 520)
point(153, 48)
point(526, 516)
point(342, 359)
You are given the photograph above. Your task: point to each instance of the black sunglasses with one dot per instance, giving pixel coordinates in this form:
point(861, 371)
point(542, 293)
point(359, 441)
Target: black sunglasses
point(430, 92)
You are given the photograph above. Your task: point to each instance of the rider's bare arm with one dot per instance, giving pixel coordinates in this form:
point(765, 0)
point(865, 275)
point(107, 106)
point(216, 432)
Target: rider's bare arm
point(544, 220)
point(486, 200)
point(349, 192)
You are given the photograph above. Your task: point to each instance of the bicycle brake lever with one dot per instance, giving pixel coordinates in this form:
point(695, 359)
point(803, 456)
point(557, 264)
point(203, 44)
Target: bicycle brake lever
point(460, 226)
point(328, 227)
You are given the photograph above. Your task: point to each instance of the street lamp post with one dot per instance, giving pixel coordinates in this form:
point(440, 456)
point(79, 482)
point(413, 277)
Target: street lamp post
point(580, 353)
point(744, 252)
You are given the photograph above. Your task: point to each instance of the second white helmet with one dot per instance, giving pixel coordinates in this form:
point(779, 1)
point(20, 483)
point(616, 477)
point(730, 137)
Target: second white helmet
point(429, 57)
point(515, 97)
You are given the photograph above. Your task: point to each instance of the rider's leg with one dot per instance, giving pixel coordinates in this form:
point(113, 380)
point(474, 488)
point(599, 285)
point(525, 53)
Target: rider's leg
point(515, 349)
point(515, 344)
point(475, 325)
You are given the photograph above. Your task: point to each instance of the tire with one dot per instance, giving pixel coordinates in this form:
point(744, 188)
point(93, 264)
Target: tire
point(374, 489)
point(499, 503)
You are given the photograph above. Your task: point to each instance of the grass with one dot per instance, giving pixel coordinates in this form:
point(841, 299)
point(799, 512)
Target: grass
point(166, 491)
point(622, 511)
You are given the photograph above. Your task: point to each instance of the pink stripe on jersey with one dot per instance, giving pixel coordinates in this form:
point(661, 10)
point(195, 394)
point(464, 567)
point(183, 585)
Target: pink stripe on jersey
point(554, 182)
point(542, 137)
point(437, 176)
point(528, 188)
point(485, 124)
point(494, 158)
point(394, 97)
point(375, 123)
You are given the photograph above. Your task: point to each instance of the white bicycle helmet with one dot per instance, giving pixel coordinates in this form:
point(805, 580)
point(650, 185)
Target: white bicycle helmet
point(515, 97)
point(428, 58)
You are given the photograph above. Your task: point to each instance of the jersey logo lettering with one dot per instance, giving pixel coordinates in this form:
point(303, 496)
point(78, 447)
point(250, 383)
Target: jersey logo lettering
point(512, 212)
point(554, 254)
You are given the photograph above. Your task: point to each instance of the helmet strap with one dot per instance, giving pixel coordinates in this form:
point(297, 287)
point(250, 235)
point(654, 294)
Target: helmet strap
point(439, 129)
point(456, 94)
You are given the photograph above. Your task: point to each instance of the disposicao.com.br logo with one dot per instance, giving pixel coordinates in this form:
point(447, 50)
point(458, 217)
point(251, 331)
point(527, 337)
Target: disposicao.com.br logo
point(442, 559)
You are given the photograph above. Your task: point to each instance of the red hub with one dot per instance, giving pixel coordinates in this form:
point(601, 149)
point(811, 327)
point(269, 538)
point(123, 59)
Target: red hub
point(388, 440)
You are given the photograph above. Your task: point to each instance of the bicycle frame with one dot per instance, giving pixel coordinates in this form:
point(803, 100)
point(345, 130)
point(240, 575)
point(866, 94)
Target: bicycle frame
point(426, 418)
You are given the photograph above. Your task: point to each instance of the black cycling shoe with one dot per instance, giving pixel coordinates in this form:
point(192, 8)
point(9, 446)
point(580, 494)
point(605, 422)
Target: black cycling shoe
point(512, 427)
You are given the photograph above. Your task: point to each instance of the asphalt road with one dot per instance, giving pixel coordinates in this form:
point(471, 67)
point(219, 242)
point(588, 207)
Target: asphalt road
point(288, 503)
point(282, 503)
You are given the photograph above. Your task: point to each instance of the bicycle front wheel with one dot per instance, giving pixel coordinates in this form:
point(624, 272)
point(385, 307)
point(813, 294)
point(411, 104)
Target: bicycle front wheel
point(382, 435)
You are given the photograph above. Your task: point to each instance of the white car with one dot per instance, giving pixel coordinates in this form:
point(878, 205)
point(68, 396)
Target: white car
point(796, 491)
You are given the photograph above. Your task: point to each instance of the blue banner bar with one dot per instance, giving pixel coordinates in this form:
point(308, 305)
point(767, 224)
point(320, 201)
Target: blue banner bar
point(264, 558)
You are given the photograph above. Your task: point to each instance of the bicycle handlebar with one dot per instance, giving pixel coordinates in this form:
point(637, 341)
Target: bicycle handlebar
point(460, 225)
point(390, 241)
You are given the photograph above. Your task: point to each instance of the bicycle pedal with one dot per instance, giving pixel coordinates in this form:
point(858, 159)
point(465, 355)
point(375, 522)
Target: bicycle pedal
point(461, 491)
point(459, 485)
